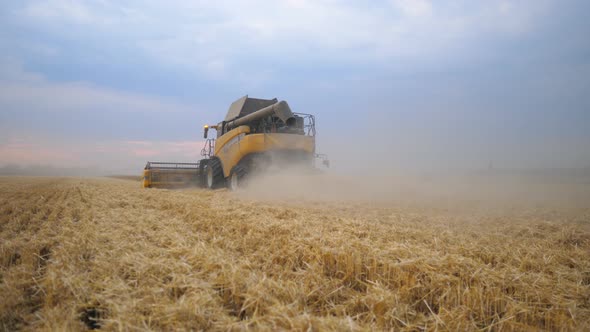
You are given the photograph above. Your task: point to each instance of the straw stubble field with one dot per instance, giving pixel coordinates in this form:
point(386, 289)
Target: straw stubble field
point(103, 253)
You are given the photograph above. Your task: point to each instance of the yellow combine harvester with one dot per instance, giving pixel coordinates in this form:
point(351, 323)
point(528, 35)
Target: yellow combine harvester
point(255, 136)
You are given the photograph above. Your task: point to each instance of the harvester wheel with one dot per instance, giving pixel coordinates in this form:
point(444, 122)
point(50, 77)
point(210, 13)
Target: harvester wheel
point(236, 178)
point(214, 174)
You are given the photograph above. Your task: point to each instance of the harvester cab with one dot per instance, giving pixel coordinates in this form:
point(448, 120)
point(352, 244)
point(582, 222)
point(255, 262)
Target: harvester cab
point(256, 136)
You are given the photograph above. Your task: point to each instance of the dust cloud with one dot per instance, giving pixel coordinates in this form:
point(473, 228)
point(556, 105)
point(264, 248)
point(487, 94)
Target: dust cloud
point(487, 190)
point(428, 168)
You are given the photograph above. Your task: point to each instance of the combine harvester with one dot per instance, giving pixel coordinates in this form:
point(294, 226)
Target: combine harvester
point(256, 136)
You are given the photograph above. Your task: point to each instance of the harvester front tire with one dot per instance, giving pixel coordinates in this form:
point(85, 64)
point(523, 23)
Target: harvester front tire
point(214, 177)
point(236, 178)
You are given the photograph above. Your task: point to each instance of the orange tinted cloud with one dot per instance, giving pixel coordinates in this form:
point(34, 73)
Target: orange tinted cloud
point(108, 155)
point(33, 153)
point(145, 152)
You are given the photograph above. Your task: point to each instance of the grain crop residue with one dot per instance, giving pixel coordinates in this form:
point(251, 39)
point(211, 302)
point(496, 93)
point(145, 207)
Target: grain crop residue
point(82, 254)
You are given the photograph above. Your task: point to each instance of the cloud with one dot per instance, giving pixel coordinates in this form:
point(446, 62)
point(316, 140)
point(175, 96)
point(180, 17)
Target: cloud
point(22, 89)
point(90, 71)
point(185, 150)
point(414, 8)
point(69, 10)
point(18, 151)
point(108, 155)
point(218, 39)
point(11, 71)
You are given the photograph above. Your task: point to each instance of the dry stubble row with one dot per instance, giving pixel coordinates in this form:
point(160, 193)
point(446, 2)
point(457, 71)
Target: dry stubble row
point(79, 253)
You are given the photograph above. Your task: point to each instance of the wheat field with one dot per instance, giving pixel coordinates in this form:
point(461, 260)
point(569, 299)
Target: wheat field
point(100, 253)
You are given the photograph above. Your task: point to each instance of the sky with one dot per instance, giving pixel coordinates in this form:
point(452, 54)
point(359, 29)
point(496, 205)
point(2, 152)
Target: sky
point(405, 84)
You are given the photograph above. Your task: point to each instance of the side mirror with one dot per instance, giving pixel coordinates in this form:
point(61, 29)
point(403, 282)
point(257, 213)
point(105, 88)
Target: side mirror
point(206, 131)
